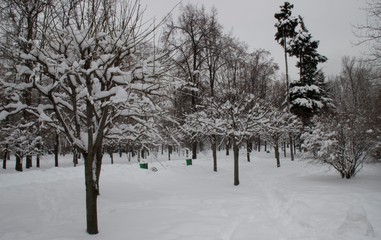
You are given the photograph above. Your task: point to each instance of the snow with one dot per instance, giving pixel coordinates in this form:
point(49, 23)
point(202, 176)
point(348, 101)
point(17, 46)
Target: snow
point(296, 201)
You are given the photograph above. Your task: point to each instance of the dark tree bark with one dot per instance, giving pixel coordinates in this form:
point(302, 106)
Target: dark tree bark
point(75, 157)
point(169, 152)
point(38, 155)
point(28, 161)
point(18, 166)
point(291, 147)
point(56, 149)
point(194, 150)
point(276, 149)
point(259, 143)
point(5, 156)
point(99, 157)
point(91, 196)
point(228, 147)
point(38, 160)
point(111, 153)
point(214, 151)
point(249, 148)
point(236, 163)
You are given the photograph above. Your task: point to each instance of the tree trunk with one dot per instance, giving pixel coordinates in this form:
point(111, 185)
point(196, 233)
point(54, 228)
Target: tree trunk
point(91, 195)
point(28, 161)
point(276, 149)
point(265, 146)
point(56, 150)
point(286, 65)
point(38, 160)
point(214, 150)
point(194, 150)
point(110, 152)
point(285, 149)
point(259, 143)
point(38, 155)
point(18, 166)
point(291, 147)
point(236, 162)
point(75, 157)
point(98, 164)
point(249, 148)
point(169, 152)
point(228, 147)
point(5, 156)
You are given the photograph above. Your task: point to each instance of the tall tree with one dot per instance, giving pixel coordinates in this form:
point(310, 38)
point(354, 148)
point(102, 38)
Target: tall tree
point(286, 31)
point(90, 74)
point(286, 26)
point(193, 31)
point(196, 39)
point(260, 73)
point(307, 97)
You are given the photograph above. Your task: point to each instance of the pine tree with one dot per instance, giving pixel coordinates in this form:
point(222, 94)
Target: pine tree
point(286, 26)
point(307, 96)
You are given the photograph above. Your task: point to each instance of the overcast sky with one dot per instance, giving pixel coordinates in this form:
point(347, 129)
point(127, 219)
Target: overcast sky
point(252, 21)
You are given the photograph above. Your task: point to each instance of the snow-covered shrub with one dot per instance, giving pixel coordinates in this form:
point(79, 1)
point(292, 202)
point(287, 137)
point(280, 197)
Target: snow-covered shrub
point(341, 141)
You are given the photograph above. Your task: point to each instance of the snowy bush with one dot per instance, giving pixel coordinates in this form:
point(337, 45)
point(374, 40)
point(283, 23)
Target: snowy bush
point(340, 141)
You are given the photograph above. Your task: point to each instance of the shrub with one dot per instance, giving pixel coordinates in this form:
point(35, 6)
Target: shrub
point(342, 141)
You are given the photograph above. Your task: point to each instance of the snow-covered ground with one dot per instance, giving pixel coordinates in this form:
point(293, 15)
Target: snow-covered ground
point(180, 202)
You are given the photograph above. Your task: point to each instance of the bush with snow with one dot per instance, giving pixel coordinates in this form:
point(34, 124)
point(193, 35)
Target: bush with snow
point(341, 141)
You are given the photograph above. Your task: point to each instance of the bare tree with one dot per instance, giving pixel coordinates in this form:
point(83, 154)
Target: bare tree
point(370, 33)
point(194, 37)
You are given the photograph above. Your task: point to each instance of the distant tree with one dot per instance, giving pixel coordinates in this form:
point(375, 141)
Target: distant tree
point(279, 125)
point(192, 39)
point(357, 90)
point(260, 73)
point(232, 115)
point(21, 140)
point(241, 116)
point(206, 124)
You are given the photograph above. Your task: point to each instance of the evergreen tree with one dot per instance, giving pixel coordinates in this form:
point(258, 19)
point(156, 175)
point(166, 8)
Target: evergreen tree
point(286, 26)
point(307, 95)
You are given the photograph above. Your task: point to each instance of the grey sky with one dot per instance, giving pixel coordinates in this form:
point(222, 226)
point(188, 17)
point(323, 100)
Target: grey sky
point(252, 21)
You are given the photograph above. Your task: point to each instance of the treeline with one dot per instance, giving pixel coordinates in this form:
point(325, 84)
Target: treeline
point(211, 79)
